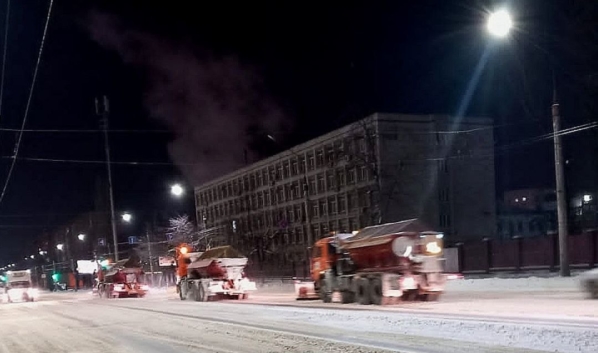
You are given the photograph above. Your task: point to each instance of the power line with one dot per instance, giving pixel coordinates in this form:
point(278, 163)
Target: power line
point(84, 131)
point(35, 71)
point(502, 148)
point(83, 161)
point(4, 55)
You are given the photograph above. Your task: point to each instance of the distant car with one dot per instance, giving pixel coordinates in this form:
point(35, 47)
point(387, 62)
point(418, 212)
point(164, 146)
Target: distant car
point(589, 282)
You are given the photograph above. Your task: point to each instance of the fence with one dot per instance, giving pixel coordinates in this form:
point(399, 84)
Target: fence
point(521, 254)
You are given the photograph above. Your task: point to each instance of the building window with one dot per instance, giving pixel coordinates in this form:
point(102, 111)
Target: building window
point(287, 170)
point(301, 164)
point(314, 208)
point(351, 201)
point(363, 174)
point(321, 186)
point(340, 175)
point(342, 206)
point(330, 180)
point(312, 186)
point(294, 170)
point(260, 200)
point(351, 176)
point(323, 208)
point(311, 162)
point(320, 158)
point(362, 145)
point(330, 154)
point(332, 205)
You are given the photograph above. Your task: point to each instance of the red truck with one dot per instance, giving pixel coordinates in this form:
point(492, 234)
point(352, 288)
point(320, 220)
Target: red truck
point(124, 279)
point(380, 264)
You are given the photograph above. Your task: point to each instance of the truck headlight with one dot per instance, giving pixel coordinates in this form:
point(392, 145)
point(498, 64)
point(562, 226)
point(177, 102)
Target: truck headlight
point(433, 248)
point(33, 292)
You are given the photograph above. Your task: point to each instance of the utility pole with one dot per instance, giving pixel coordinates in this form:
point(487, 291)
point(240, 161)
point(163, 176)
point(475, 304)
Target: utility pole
point(561, 197)
point(149, 252)
point(105, 112)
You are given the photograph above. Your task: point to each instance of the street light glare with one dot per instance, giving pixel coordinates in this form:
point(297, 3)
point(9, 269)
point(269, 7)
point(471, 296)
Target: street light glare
point(500, 23)
point(127, 217)
point(60, 246)
point(176, 190)
point(81, 236)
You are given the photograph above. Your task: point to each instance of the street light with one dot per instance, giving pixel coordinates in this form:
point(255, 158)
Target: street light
point(499, 23)
point(60, 246)
point(177, 190)
point(81, 236)
point(127, 217)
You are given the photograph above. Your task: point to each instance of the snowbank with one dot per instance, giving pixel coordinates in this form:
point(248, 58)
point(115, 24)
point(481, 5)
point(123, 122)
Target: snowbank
point(525, 284)
point(493, 284)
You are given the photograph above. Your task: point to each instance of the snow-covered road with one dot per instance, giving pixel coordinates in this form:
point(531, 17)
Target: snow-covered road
point(515, 318)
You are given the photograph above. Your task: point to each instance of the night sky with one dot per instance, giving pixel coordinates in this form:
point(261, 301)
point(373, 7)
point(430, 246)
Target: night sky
point(196, 85)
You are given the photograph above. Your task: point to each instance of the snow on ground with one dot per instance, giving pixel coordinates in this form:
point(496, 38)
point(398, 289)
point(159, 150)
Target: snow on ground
point(505, 315)
point(395, 330)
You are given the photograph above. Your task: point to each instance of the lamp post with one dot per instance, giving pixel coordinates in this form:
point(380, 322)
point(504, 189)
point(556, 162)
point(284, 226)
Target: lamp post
point(499, 25)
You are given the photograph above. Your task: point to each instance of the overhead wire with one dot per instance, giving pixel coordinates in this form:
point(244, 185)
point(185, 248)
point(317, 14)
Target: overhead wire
point(27, 107)
point(501, 148)
point(139, 131)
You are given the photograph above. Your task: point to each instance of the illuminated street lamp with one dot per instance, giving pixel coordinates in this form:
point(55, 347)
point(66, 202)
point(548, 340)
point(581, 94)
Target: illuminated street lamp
point(60, 247)
point(177, 190)
point(32, 257)
point(127, 217)
point(81, 236)
point(499, 23)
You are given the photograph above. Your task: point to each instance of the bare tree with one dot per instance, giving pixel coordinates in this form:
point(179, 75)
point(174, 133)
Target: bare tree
point(181, 230)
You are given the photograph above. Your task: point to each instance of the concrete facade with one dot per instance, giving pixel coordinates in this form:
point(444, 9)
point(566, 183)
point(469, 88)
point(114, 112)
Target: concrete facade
point(384, 168)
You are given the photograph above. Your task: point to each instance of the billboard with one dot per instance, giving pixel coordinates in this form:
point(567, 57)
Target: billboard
point(166, 261)
point(86, 267)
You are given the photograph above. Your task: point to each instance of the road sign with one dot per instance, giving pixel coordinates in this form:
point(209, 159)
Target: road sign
point(101, 241)
point(132, 240)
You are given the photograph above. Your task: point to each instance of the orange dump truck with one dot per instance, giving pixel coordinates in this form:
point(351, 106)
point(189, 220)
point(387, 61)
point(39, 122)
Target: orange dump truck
point(377, 265)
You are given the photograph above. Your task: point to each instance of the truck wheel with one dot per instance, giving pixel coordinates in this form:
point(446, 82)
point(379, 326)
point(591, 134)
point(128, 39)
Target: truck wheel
point(362, 293)
point(409, 295)
point(375, 291)
point(324, 295)
point(180, 291)
point(347, 297)
point(431, 297)
point(201, 294)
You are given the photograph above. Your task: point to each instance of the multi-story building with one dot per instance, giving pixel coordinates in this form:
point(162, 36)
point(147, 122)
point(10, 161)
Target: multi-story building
point(384, 168)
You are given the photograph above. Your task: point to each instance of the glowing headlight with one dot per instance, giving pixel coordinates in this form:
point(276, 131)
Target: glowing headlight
point(433, 248)
point(33, 292)
point(119, 287)
point(144, 287)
